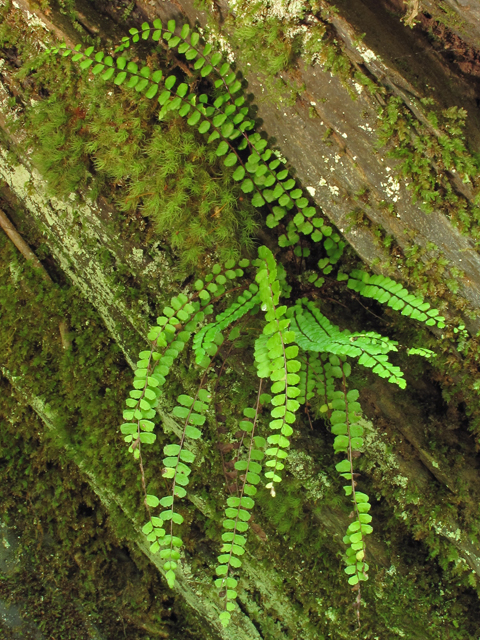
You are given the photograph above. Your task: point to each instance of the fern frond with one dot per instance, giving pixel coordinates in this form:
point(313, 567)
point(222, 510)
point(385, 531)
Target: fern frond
point(385, 290)
point(237, 513)
point(277, 361)
point(306, 384)
point(420, 351)
point(207, 340)
point(316, 333)
point(348, 439)
point(317, 382)
point(152, 369)
point(192, 411)
point(321, 368)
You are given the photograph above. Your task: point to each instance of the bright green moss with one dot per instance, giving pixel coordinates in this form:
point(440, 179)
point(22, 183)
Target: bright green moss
point(162, 173)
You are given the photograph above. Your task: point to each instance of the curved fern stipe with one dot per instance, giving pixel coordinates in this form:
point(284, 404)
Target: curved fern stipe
point(297, 348)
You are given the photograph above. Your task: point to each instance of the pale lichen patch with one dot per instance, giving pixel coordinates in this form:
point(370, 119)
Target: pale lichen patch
point(392, 187)
point(367, 54)
point(302, 466)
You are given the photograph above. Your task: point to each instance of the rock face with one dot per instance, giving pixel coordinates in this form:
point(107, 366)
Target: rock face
point(420, 460)
point(462, 18)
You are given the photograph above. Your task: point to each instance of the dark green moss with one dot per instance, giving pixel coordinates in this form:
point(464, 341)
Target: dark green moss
point(428, 158)
point(74, 565)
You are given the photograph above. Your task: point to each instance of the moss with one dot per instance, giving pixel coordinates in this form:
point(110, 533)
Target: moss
point(429, 157)
point(164, 174)
point(89, 138)
point(271, 39)
point(449, 17)
point(72, 573)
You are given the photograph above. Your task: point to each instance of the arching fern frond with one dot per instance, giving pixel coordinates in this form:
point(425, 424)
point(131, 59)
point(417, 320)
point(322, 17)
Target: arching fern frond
point(316, 333)
point(225, 121)
point(206, 341)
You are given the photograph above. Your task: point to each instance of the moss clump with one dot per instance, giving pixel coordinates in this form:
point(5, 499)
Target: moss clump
point(73, 574)
point(429, 152)
point(163, 173)
point(89, 138)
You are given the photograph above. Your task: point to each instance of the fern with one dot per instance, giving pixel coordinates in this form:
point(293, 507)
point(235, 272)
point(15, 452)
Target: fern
point(192, 411)
point(348, 439)
point(386, 290)
point(296, 347)
point(237, 513)
point(316, 333)
point(277, 361)
point(207, 340)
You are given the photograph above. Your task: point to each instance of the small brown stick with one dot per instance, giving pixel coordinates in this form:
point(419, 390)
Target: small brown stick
point(27, 253)
point(21, 245)
point(64, 329)
point(150, 193)
point(413, 9)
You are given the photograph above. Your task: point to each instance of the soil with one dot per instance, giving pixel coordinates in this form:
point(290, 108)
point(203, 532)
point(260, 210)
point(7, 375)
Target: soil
point(451, 46)
point(436, 61)
point(443, 39)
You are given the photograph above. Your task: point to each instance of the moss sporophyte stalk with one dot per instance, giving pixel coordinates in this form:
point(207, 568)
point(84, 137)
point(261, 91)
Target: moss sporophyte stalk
point(298, 353)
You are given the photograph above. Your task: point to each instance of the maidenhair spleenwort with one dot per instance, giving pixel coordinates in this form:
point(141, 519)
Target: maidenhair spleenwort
point(298, 351)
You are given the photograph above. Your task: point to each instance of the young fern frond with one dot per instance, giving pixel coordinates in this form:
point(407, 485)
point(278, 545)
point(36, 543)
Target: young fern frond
point(277, 361)
point(420, 351)
point(313, 382)
point(306, 384)
point(316, 333)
